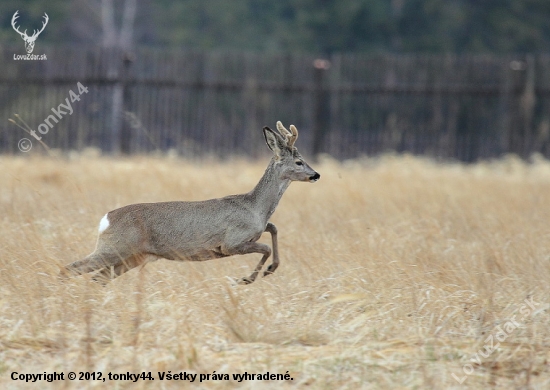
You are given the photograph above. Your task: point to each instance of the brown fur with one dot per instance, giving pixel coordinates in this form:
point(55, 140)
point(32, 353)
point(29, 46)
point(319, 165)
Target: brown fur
point(204, 230)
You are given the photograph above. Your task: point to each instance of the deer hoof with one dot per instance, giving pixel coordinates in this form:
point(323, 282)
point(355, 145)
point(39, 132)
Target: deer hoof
point(270, 270)
point(101, 280)
point(62, 276)
point(244, 281)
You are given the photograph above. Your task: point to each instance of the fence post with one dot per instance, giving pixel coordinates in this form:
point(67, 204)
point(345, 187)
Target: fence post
point(321, 106)
point(125, 130)
point(528, 100)
point(113, 74)
point(505, 144)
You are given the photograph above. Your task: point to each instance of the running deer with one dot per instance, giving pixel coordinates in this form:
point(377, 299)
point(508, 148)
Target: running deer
point(196, 231)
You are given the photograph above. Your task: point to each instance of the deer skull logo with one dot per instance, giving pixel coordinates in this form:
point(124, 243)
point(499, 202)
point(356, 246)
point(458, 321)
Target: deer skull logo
point(29, 41)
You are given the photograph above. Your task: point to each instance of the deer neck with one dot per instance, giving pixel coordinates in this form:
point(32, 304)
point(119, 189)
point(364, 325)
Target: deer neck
point(269, 190)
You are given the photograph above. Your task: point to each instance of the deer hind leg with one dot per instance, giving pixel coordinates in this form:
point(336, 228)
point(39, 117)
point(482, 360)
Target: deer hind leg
point(275, 263)
point(251, 247)
point(111, 272)
point(90, 263)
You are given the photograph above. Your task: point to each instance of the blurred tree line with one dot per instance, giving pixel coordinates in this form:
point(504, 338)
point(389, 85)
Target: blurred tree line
point(314, 26)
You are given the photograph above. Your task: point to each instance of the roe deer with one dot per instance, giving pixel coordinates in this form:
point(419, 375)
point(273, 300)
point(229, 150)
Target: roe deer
point(136, 234)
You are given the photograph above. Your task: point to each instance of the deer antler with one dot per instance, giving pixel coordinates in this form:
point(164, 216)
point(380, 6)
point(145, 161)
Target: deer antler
point(24, 34)
point(290, 137)
point(44, 23)
point(284, 132)
point(13, 19)
point(294, 135)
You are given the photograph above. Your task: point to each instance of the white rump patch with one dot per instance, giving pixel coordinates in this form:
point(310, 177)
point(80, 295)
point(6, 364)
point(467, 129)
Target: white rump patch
point(103, 224)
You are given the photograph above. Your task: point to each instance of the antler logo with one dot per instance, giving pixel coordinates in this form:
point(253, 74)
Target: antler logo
point(29, 41)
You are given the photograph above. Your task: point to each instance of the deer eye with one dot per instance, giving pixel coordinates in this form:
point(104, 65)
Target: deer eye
point(299, 163)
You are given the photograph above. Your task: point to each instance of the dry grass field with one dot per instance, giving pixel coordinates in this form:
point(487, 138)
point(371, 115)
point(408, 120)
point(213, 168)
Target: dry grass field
point(395, 273)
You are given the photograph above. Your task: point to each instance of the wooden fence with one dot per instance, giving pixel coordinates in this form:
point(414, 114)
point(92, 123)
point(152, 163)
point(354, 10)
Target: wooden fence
point(459, 107)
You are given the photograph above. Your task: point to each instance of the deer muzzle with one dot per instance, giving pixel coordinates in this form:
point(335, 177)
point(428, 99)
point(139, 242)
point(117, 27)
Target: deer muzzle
point(314, 178)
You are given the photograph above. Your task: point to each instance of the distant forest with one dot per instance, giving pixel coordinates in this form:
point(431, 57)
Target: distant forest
point(309, 26)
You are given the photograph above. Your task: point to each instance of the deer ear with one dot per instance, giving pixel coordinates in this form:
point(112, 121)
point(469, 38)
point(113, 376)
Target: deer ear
point(273, 141)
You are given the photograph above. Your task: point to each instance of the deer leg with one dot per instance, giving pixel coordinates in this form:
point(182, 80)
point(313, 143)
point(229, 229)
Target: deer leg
point(111, 272)
point(273, 266)
point(90, 263)
point(251, 247)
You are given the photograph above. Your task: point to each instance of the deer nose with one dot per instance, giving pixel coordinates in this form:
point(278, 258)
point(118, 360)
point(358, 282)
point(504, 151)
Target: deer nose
point(315, 177)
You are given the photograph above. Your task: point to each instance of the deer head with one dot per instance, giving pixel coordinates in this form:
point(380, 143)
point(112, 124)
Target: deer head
point(288, 160)
point(29, 41)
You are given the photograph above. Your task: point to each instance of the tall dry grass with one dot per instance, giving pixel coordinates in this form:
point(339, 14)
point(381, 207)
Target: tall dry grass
point(394, 273)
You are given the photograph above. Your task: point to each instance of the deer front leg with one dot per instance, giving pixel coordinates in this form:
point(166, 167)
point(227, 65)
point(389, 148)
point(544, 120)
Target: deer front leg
point(251, 247)
point(273, 266)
